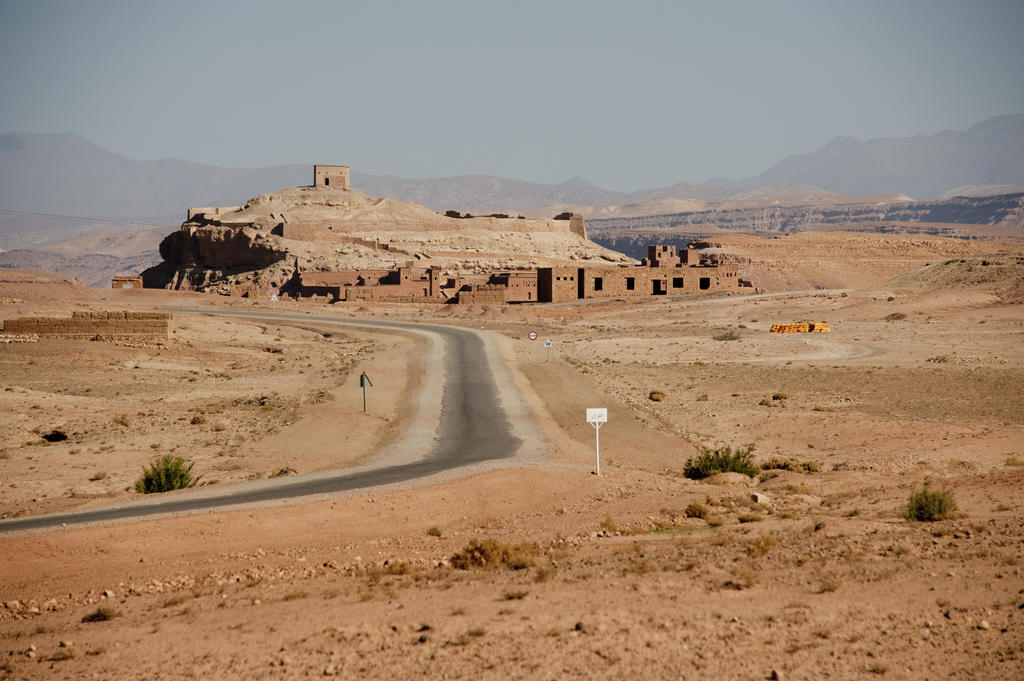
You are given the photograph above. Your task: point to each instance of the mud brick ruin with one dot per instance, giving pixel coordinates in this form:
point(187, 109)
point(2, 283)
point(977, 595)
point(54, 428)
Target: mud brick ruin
point(126, 282)
point(331, 176)
point(91, 324)
point(664, 272)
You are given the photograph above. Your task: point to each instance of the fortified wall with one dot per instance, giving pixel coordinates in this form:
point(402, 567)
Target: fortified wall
point(84, 324)
point(486, 294)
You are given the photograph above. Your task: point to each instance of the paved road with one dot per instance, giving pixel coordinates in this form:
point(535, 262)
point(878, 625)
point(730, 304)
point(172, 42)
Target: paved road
point(473, 428)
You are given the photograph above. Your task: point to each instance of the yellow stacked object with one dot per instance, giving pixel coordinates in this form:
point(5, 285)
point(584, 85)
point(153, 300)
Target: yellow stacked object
point(816, 327)
point(790, 328)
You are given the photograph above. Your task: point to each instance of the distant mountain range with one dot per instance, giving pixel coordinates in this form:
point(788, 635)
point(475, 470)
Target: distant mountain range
point(924, 167)
point(48, 182)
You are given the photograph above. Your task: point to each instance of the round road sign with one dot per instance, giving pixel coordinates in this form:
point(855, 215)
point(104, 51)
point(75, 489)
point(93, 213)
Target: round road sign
point(532, 335)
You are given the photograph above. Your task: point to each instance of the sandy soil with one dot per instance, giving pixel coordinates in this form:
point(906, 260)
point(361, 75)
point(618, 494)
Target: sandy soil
point(819, 576)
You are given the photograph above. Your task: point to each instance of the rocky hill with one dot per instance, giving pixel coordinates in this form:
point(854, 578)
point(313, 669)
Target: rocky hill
point(274, 236)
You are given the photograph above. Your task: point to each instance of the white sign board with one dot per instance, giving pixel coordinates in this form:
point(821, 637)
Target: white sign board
point(273, 298)
point(597, 415)
point(548, 343)
point(532, 335)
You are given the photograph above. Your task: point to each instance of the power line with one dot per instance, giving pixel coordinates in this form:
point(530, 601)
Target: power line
point(81, 218)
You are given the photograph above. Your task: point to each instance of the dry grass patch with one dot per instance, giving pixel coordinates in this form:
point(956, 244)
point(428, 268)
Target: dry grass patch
point(491, 553)
point(101, 614)
point(695, 509)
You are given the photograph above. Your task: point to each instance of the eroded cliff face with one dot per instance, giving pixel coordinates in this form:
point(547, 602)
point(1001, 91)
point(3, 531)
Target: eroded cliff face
point(200, 255)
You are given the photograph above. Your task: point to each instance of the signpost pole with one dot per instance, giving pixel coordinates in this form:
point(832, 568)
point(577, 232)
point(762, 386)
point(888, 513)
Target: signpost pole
point(597, 417)
point(364, 381)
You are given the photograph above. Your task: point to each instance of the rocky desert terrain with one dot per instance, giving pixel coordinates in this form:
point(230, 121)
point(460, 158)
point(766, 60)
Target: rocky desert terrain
point(538, 568)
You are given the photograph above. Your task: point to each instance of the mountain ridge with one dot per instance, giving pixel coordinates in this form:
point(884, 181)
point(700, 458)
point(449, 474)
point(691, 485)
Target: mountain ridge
point(56, 175)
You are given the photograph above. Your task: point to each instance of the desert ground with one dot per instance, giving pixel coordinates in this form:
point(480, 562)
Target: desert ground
point(808, 570)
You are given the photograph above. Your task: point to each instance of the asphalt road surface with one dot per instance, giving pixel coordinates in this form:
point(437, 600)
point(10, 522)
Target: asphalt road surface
point(473, 429)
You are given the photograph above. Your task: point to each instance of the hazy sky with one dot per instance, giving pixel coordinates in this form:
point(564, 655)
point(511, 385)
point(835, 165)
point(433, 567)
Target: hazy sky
point(626, 94)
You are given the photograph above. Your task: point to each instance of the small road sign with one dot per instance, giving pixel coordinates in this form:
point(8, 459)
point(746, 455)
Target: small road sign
point(273, 297)
point(532, 335)
point(548, 345)
point(597, 417)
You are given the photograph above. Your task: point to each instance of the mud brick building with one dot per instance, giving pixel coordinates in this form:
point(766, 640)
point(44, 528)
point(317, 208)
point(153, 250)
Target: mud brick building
point(403, 283)
point(336, 177)
point(664, 272)
point(126, 282)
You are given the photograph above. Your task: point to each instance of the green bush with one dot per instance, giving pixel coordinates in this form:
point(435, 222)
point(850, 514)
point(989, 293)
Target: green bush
point(722, 460)
point(928, 505)
point(166, 473)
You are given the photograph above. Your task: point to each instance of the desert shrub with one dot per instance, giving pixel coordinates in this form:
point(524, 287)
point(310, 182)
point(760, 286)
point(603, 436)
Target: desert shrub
point(491, 553)
point(166, 473)
point(751, 518)
point(777, 463)
point(696, 510)
point(434, 531)
point(101, 614)
point(778, 397)
point(656, 396)
point(722, 460)
point(729, 335)
point(760, 546)
point(702, 398)
point(928, 505)
point(198, 420)
point(55, 435)
point(102, 475)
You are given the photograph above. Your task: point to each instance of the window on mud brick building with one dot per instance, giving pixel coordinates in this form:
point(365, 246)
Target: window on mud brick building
point(598, 283)
point(705, 283)
point(630, 284)
point(677, 282)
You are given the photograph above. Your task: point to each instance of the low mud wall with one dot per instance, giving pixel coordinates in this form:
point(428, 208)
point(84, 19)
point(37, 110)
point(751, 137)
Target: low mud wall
point(88, 324)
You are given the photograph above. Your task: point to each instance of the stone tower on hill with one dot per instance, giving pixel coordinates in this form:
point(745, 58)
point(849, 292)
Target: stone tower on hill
point(336, 177)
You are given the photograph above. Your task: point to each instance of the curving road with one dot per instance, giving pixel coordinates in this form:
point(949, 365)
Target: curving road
point(473, 428)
